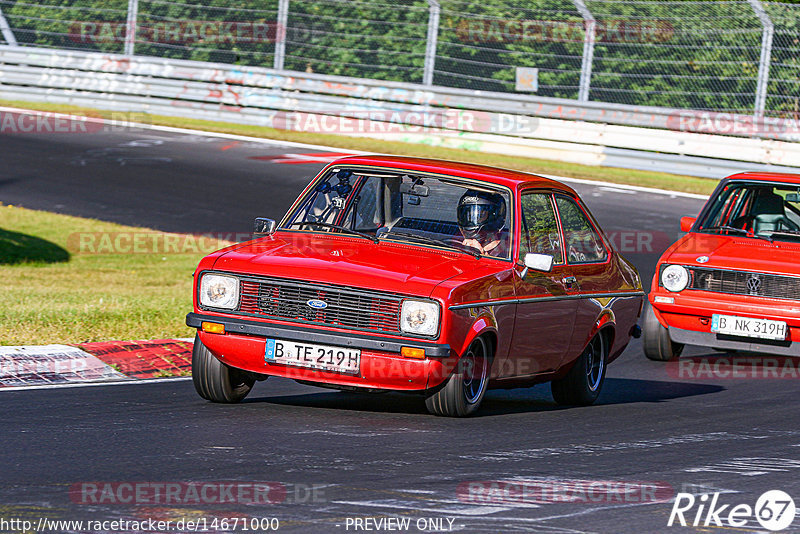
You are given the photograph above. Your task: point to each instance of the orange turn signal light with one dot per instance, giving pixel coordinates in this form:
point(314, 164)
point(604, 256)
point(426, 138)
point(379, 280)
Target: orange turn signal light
point(212, 328)
point(411, 352)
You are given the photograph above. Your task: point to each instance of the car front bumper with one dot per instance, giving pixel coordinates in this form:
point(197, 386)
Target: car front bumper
point(688, 319)
point(710, 339)
point(382, 366)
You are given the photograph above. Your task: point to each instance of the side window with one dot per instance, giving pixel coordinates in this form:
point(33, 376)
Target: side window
point(583, 245)
point(539, 232)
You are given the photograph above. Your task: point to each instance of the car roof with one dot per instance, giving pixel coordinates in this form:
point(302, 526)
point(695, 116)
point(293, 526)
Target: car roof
point(494, 175)
point(766, 177)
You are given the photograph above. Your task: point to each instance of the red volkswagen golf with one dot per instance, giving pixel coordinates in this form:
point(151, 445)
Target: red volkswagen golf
point(415, 275)
point(732, 282)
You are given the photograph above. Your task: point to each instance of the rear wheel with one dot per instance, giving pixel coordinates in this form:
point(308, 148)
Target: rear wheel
point(655, 338)
point(581, 386)
point(462, 393)
point(216, 381)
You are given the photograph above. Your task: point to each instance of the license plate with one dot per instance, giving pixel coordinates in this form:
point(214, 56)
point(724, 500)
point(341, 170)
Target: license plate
point(748, 327)
point(323, 357)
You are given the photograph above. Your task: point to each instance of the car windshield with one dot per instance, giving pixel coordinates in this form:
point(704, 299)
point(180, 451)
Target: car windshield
point(757, 210)
point(437, 211)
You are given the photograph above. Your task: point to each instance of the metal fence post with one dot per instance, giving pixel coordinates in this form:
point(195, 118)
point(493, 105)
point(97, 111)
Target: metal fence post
point(765, 59)
point(432, 42)
point(587, 59)
point(280, 35)
point(130, 27)
point(5, 29)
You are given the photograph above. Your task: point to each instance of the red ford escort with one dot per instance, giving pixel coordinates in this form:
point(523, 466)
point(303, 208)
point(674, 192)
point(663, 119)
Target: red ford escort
point(733, 281)
point(405, 274)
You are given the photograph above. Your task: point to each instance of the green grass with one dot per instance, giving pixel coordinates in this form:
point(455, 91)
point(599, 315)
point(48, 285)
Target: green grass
point(661, 180)
point(55, 292)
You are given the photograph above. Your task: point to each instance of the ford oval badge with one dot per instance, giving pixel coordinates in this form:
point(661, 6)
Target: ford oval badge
point(702, 259)
point(317, 304)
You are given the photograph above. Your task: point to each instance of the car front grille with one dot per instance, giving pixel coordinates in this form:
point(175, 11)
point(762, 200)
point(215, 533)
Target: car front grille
point(345, 307)
point(745, 283)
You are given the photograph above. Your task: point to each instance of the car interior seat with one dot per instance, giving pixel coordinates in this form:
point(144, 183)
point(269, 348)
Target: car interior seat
point(770, 215)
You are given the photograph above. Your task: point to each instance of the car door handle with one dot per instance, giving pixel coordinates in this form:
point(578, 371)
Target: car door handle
point(569, 281)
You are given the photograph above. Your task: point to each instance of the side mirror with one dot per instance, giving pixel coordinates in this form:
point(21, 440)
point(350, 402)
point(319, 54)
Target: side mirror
point(537, 262)
point(793, 197)
point(687, 223)
point(263, 227)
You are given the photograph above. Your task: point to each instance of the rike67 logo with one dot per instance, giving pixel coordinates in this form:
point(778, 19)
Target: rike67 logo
point(774, 510)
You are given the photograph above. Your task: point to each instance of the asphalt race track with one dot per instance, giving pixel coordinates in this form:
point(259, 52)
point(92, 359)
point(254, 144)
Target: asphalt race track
point(331, 458)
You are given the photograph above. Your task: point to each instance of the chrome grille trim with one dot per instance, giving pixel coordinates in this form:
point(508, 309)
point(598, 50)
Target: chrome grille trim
point(353, 309)
point(745, 283)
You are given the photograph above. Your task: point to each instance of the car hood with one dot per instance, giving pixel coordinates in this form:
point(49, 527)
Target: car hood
point(737, 253)
point(349, 261)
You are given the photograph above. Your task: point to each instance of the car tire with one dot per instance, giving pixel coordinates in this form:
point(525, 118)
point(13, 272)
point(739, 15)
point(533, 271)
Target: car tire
point(655, 338)
point(216, 381)
point(582, 384)
point(462, 393)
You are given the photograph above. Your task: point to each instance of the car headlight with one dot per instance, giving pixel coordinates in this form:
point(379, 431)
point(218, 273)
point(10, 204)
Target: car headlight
point(675, 278)
point(219, 291)
point(419, 317)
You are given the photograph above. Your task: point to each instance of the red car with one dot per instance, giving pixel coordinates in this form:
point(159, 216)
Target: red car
point(392, 273)
point(733, 281)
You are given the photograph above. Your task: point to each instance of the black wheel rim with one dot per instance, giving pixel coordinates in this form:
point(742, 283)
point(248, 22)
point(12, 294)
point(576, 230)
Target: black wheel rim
point(475, 371)
point(595, 362)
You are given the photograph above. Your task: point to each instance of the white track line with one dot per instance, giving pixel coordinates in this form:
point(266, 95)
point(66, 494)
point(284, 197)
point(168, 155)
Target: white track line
point(132, 381)
point(324, 148)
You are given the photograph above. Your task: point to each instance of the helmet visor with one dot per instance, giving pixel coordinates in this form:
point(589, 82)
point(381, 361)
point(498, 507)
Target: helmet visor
point(473, 215)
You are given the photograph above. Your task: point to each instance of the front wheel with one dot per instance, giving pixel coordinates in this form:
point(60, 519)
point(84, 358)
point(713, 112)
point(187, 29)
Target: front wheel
point(581, 386)
point(655, 338)
point(462, 393)
point(214, 380)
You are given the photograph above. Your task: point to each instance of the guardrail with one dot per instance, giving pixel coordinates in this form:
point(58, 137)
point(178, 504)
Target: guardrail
point(582, 132)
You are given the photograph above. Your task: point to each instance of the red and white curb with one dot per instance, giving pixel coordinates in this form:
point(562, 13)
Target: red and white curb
point(101, 362)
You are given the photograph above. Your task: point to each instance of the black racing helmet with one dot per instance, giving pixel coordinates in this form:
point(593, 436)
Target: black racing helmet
point(481, 212)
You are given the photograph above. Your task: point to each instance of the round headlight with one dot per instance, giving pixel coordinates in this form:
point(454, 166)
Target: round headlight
point(219, 291)
point(419, 317)
point(675, 278)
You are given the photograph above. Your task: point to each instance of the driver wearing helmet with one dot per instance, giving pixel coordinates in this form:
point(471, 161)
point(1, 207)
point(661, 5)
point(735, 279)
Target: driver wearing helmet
point(481, 216)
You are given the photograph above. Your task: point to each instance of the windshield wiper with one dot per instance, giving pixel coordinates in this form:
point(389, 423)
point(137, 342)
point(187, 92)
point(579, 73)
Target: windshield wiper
point(729, 229)
point(791, 235)
point(374, 239)
point(740, 231)
point(432, 241)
